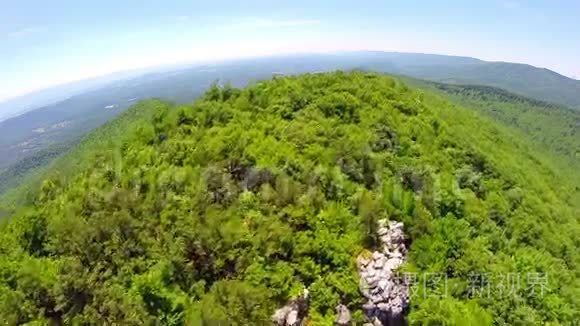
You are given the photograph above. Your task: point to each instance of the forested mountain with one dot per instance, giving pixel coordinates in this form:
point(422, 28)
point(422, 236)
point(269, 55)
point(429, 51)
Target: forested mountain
point(24, 136)
point(33, 139)
point(537, 83)
point(552, 127)
point(224, 209)
point(45, 97)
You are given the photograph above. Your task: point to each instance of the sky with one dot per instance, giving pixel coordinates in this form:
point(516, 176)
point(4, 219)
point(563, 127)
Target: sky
point(44, 43)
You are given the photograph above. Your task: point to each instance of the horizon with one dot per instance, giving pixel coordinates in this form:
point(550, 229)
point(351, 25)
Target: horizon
point(43, 45)
point(166, 67)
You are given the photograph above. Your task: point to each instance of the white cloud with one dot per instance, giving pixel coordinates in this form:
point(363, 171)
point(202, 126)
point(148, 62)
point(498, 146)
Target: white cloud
point(26, 31)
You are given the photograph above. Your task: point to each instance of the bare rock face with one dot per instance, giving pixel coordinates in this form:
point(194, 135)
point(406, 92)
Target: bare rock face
point(387, 294)
point(279, 317)
point(343, 317)
point(293, 313)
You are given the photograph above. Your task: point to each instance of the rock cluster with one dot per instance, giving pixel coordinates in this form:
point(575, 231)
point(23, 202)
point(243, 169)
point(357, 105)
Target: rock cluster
point(293, 313)
point(343, 317)
point(387, 294)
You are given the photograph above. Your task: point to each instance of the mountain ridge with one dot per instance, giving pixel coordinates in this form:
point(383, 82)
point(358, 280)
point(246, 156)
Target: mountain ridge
point(29, 137)
point(227, 208)
point(401, 57)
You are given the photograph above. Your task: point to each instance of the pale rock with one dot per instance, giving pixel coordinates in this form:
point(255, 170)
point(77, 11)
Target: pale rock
point(292, 318)
point(368, 306)
point(395, 254)
point(378, 255)
point(387, 297)
point(376, 291)
point(385, 273)
point(343, 317)
point(362, 261)
point(385, 239)
point(376, 299)
point(377, 322)
point(380, 262)
point(293, 313)
point(373, 281)
point(279, 317)
point(393, 264)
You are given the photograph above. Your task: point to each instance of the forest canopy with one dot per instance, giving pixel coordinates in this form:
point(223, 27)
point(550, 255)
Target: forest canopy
point(224, 209)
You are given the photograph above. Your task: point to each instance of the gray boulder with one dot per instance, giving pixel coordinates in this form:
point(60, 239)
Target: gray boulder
point(343, 317)
point(387, 296)
point(294, 313)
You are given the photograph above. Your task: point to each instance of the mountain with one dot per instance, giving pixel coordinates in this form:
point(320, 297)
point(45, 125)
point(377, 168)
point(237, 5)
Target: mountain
point(37, 99)
point(28, 135)
point(537, 83)
point(551, 127)
point(32, 139)
point(225, 209)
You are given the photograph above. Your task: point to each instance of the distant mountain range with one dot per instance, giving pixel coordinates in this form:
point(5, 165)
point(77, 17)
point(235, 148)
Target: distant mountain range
point(36, 99)
point(537, 83)
point(72, 110)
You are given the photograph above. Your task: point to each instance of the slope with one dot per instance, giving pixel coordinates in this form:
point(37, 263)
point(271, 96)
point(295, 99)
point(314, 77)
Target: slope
point(552, 127)
point(27, 138)
point(550, 130)
point(537, 83)
point(224, 209)
point(24, 136)
point(20, 183)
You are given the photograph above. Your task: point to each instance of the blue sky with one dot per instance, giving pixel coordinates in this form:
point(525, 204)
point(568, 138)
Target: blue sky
point(44, 43)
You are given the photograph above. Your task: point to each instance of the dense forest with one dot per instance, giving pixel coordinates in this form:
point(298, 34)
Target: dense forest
point(28, 141)
point(550, 127)
point(225, 209)
point(18, 173)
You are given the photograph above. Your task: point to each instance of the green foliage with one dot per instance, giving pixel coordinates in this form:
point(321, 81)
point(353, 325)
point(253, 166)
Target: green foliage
point(223, 210)
point(552, 129)
point(18, 172)
point(532, 82)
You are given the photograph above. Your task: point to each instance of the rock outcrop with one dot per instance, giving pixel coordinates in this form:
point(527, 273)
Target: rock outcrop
point(387, 294)
point(293, 313)
point(343, 317)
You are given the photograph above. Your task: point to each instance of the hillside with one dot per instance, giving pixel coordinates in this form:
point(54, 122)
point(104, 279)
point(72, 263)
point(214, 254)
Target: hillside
point(537, 83)
point(16, 174)
point(25, 137)
point(20, 183)
point(551, 127)
point(28, 137)
point(226, 208)
point(551, 131)
point(51, 95)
